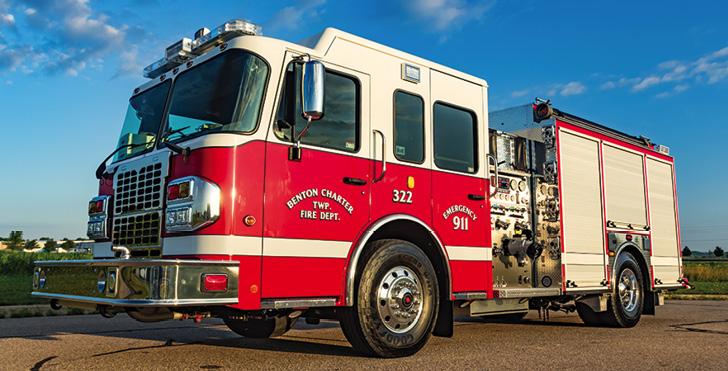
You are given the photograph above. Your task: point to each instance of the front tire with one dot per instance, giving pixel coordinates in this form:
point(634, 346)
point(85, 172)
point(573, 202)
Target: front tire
point(395, 307)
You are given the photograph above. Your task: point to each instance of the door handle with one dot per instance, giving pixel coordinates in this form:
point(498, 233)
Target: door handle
point(476, 197)
point(495, 165)
point(384, 156)
point(355, 181)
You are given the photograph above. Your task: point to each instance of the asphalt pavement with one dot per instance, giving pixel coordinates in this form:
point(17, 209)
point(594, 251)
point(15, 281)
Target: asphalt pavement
point(683, 335)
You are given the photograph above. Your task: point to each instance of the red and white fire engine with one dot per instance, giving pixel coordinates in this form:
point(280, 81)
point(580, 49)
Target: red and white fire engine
point(261, 181)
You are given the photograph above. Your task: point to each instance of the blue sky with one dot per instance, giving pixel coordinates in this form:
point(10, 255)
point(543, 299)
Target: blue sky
point(652, 68)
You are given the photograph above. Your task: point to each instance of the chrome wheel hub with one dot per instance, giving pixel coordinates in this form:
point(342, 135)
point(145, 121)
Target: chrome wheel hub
point(399, 298)
point(629, 290)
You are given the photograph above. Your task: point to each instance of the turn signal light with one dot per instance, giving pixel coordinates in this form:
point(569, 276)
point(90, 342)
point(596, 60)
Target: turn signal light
point(214, 282)
point(173, 192)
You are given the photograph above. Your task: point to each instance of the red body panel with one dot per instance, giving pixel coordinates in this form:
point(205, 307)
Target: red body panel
point(415, 201)
point(469, 276)
point(304, 277)
point(450, 200)
point(309, 200)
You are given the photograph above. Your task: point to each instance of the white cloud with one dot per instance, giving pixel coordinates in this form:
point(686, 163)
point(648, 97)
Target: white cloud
point(444, 15)
point(573, 88)
point(646, 82)
point(518, 94)
point(292, 16)
point(7, 20)
point(68, 36)
point(711, 69)
point(608, 85)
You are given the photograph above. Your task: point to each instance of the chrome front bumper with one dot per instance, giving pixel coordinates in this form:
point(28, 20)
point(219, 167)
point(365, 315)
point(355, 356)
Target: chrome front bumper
point(135, 282)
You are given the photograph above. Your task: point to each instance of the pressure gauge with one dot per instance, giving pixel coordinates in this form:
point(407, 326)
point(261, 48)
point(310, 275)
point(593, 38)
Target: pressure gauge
point(522, 186)
point(514, 184)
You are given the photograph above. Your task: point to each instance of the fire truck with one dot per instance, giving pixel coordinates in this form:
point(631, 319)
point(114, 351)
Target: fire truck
point(262, 181)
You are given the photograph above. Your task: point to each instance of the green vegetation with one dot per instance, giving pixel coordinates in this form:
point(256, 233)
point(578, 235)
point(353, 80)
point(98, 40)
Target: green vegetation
point(15, 290)
point(16, 262)
point(16, 275)
point(710, 279)
point(697, 271)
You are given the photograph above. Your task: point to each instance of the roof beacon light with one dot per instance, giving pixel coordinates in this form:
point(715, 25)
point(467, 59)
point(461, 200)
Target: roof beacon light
point(205, 40)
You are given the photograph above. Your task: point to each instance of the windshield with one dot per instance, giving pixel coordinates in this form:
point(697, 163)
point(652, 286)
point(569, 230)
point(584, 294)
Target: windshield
point(142, 121)
point(221, 95)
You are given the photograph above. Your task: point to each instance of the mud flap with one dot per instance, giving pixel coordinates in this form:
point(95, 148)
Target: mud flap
point(652, 299)
point(444, 325)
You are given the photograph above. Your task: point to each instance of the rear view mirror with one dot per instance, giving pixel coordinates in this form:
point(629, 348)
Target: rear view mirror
point(313, 90)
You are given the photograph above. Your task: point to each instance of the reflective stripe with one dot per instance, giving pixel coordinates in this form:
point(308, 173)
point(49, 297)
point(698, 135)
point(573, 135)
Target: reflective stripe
point(212, 245)
point(305, 248)
point(469, 253)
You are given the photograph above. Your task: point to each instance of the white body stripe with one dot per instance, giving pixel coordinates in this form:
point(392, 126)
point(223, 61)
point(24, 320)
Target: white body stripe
point(585, 259)
point(305, 248)
point(659, 260)
point(469, 253)
point(213, 245)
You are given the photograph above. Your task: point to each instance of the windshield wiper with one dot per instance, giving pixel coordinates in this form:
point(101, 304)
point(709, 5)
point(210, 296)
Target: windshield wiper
point(102, 168)
point(175, 131)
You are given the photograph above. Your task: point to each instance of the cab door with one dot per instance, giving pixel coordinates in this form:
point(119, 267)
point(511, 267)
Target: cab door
point(315, 206)
point(459, 203)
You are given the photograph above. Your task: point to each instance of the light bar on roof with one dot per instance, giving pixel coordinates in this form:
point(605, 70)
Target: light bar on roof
point(187, 49)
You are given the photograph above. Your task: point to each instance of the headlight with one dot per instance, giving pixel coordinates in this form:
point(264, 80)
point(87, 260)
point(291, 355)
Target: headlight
point(192, 203)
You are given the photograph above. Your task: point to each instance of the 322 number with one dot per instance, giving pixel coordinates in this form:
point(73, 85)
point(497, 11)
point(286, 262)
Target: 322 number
point(460, 222)
point(403, 197)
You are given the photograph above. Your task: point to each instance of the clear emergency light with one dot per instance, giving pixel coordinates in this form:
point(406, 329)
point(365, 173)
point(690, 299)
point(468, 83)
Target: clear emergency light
point(205, 40)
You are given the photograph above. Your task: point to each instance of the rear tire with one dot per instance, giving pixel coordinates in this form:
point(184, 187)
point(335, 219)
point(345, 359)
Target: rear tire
point(395, 307)
point(624, 307)
point(260, 328)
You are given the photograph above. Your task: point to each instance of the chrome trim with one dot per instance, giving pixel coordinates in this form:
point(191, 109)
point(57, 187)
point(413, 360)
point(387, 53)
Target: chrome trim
point(384, 156)
point(99, 217)
point(525, 293)
point(135, 262)
point(125, 252)
point(137, 282)
point(495, 165)
point(297, 303)
point(138, 303)
point(201, 206)
point(470, 295)
point(354, 260)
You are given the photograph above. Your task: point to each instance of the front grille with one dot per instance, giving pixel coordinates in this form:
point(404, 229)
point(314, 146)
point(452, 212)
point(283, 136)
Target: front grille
point(136, 230)
point(138, 190)
point(138, 201)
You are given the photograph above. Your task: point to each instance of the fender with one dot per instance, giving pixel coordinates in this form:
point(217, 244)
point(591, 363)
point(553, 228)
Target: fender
point(373, 228)
point(640, 260)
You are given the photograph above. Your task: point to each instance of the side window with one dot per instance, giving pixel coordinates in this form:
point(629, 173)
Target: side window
point(338, 129)
point(409, 127)
point(455, 138)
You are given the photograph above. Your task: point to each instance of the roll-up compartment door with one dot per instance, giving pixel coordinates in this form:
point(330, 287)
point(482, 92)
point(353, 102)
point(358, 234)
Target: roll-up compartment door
point(581, 200)
point(663, 222)
point(624, 187)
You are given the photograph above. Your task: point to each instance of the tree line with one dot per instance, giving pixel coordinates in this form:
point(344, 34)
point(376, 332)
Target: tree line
point(718, 251)
point(16, 242)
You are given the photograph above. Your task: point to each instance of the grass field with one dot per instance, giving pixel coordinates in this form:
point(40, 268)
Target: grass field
point(15, 290)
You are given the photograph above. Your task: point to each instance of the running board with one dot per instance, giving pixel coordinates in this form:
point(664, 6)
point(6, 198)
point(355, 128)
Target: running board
point(526, 293)
point(297, 303)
